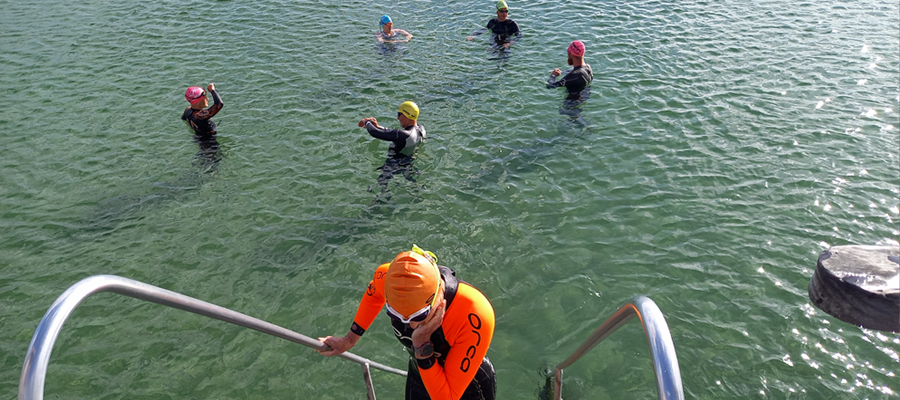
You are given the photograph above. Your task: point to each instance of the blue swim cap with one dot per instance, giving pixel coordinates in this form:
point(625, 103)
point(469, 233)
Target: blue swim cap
point(385, 19)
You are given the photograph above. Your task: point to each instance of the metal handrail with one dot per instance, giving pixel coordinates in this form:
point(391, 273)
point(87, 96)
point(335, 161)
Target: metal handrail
point(31, 383)
point(662, 350)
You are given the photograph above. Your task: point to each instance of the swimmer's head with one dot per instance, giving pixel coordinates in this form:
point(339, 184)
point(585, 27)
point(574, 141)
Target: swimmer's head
point(386, 19)
point(412, 283)
point(501, 5)
point(194, 94)
point(410, 110)
point(576, 48)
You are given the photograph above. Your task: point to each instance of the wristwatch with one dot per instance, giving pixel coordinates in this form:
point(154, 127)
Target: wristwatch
point(426, 350)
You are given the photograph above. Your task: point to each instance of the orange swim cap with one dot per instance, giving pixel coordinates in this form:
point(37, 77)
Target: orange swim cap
point(411, 282)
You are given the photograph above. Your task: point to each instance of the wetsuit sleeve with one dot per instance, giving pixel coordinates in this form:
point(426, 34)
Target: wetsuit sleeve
point(552, 83)
point(518, 33)
point(372, 302)
point(384, 133)
point(468, 327)
point(485, 29)
point(212, 110)
point(404, 33)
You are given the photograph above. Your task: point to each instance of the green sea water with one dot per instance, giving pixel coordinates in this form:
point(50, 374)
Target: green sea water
point(725, 146)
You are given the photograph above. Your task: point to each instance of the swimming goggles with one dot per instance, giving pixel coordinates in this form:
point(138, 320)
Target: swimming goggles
point(422, 313)
point(417, 316)
point(427, 254)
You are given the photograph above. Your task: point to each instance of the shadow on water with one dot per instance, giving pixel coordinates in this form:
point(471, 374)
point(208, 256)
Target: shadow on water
point(575, 123)
point(208, 156)
point(573, 107)
point(529, 155)
point(497, 50)
point(322, 236)
point(392, 167)
point(499, 54)
point(109, 213)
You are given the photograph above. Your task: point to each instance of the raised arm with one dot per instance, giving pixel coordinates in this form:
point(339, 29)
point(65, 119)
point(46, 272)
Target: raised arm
point(380, 132)
point(214, 108)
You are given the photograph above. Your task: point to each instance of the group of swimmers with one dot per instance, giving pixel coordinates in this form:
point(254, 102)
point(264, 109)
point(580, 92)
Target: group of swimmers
point(445, 323)
point(404, 141)
point(505, 32)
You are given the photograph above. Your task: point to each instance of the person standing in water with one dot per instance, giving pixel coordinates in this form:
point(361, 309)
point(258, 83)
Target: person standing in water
point(197, 116)
point(445, 324)
point(404, 142)
point(576, 81)
point(388, 34)
point(504, 31)
point(199, 119)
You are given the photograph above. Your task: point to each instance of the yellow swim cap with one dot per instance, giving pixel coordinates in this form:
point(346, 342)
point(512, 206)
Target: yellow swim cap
point(410, 109)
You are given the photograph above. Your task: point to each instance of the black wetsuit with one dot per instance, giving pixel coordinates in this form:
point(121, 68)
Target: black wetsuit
point(201, 120)
point(577, 82)
point(401, 153)
point(503, 32)
point(403, 141)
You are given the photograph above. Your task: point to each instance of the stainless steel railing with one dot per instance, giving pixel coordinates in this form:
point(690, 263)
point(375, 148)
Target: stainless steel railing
point(662, 350)
point(31, 383)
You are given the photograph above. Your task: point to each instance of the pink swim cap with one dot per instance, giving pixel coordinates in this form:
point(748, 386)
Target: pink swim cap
point(576, 48)
point(193, 94)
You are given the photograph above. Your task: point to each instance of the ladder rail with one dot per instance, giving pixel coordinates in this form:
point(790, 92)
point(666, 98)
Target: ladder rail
point(34, 370)
point(662, 349)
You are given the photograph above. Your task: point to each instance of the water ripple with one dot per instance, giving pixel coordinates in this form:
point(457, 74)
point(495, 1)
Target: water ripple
point(724, 146)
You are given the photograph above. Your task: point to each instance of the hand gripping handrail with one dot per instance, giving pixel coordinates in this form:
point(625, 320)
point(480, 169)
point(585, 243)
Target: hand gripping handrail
point(31, 383)
point(662, 350)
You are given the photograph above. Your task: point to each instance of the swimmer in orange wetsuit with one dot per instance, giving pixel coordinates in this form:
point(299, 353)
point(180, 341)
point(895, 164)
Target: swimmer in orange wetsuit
point(446, 325)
